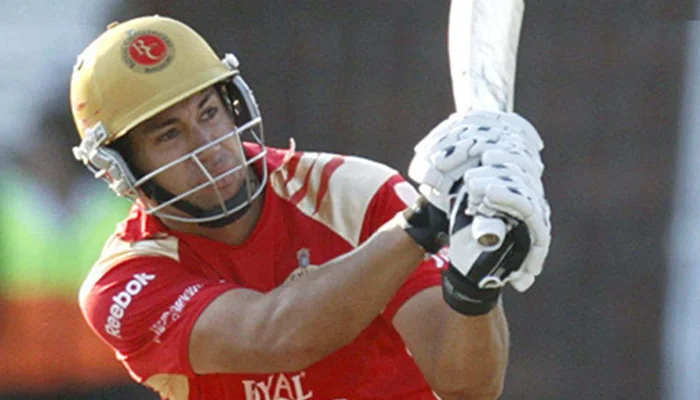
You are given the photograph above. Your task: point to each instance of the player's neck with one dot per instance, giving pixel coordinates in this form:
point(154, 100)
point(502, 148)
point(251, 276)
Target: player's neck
point(234, 233)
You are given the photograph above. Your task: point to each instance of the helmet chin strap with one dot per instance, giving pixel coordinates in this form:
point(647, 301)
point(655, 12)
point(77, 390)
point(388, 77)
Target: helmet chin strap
point(161, 195)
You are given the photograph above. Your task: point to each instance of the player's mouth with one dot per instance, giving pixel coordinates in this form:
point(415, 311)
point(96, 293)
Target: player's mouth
point(223, 183)
point(226, 181)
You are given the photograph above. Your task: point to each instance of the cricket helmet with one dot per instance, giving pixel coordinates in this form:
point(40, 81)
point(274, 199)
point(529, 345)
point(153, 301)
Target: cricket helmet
point(135, 70)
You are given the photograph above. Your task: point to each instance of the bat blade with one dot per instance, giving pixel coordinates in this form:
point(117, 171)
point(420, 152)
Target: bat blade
point(483, 40)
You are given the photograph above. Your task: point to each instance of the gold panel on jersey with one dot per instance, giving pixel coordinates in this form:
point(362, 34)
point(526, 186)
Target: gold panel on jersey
point(170, 386)
point(351, 186)
point(284, 183)
point(117, 250)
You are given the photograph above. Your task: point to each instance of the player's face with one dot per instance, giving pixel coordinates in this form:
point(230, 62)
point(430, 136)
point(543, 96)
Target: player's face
point(181, 129)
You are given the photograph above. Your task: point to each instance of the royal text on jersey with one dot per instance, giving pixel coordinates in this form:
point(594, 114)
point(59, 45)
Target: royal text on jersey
point(277, 386)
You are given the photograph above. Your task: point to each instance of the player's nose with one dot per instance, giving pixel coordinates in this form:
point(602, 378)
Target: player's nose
point(203, 142)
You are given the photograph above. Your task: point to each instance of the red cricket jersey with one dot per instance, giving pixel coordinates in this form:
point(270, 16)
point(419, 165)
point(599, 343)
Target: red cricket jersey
point(150, 284)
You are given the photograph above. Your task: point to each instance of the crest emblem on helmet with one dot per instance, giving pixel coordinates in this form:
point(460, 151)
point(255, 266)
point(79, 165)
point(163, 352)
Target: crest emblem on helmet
point(147, 51)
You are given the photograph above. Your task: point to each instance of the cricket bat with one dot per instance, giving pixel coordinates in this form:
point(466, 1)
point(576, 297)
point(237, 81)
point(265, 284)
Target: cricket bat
point(483, 38)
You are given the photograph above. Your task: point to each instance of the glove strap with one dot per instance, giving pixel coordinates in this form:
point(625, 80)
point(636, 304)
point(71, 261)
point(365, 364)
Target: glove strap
point(427, 225)
point(464, 296)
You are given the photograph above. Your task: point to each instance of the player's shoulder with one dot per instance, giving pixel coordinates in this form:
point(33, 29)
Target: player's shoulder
point(330, 187)
point(327, 168)
point(121, 261)
point(124, 270)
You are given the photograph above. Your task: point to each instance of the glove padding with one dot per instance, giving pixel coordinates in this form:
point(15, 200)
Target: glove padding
point(465, 141)
point(486, 163)
point(507, 191)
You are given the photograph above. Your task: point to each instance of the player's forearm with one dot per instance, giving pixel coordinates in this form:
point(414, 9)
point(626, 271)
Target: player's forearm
point(470, 356)
point(326, 309)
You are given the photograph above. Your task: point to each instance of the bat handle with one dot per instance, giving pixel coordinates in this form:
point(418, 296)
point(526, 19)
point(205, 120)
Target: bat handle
point(488, 232)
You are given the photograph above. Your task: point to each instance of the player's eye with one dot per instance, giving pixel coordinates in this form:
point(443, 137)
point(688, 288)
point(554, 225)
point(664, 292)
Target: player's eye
point(167, 135)
point(209, 113)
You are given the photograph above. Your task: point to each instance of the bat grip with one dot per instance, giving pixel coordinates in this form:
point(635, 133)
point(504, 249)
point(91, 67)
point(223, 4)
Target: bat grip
point(488, 232)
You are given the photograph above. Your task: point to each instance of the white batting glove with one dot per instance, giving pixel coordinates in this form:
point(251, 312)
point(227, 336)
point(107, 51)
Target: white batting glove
point(509, 191)
point(465, 141)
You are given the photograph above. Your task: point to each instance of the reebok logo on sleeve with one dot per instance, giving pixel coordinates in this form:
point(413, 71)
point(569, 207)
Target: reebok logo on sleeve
point(121, 302)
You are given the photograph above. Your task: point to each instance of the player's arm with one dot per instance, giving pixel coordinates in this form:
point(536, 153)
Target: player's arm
point(457, 334)
point(305, 320)
point(461, 357)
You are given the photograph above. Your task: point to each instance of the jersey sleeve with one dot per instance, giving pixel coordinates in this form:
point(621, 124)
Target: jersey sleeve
point(394, 196)
point(145, 308)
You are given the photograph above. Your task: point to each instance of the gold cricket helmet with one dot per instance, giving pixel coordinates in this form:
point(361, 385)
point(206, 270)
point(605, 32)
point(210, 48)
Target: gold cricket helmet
point(138, 68)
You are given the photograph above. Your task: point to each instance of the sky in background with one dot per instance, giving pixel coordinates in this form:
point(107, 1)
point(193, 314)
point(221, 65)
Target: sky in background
point(39, 50)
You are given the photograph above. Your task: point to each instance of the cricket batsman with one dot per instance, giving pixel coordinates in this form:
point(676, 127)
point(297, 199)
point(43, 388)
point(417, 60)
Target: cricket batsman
point(250, 272)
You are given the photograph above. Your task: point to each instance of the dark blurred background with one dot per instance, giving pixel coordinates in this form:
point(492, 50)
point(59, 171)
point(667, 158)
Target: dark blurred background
point(601, 79)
